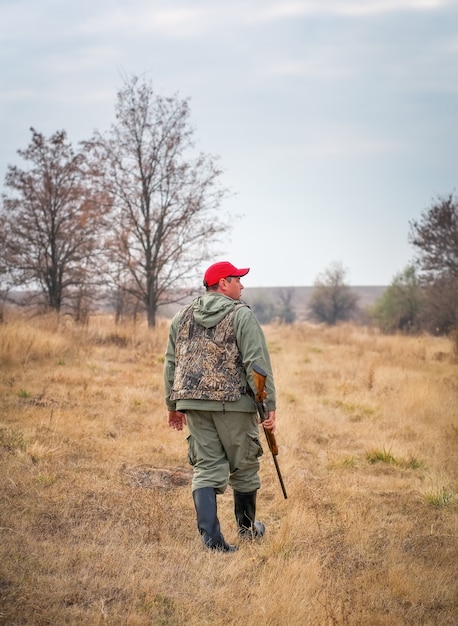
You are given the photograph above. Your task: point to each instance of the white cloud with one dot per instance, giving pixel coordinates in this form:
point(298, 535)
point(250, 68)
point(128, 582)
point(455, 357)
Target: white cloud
point(286, 10)
point(180, 22)
point(334, 145)
point(184, 20)
point(337, 142)
point(88, 58)
point(314, 68)
point(17, 94)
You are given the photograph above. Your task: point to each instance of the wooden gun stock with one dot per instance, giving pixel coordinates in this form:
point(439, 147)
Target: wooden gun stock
point(260, 381)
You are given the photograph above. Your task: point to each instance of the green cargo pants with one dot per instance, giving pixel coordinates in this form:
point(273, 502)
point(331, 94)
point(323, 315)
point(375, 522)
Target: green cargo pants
point(224, 448)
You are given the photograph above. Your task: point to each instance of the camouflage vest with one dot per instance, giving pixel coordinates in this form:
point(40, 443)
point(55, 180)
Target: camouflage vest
point(208, 365)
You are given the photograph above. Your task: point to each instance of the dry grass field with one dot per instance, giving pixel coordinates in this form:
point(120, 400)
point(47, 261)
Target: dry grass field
point(97, 524)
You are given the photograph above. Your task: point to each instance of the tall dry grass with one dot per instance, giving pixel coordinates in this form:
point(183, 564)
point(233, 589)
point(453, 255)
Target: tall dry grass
point(97, 524)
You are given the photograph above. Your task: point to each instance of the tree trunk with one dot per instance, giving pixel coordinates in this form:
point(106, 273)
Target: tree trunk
point(151, 316)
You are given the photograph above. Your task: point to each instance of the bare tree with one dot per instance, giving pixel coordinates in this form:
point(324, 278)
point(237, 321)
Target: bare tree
point(53, 216)
point(440, 309)
point(435, 238)
point(166, 197)
point(4, 274)
point(278, 305)
point(286, 310)
point(332, 300)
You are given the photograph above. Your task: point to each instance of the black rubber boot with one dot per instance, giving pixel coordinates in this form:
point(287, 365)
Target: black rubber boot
point(245, 514)
point(207, 520)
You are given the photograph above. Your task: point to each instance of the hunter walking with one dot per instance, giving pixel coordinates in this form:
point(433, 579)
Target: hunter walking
point(212, 347)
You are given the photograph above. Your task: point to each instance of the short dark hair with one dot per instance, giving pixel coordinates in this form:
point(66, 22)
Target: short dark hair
point(215, 286)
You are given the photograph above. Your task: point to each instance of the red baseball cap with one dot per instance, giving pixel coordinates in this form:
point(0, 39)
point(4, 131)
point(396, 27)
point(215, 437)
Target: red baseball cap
point(223, 269)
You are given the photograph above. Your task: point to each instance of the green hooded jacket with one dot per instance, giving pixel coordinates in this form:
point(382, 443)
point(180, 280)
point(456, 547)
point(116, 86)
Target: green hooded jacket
point(209, 310)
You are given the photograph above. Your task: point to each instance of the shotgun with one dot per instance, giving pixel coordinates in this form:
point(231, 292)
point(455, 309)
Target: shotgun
point(260, 381)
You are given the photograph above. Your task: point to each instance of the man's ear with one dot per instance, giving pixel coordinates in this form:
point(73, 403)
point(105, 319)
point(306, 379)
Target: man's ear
point(222, 286)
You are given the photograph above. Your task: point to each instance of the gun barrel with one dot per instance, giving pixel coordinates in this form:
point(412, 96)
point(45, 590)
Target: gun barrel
point(272, 443)
point(280, 478)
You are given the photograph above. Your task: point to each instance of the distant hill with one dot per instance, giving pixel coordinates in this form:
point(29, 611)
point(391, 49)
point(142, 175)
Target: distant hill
point(299, 297)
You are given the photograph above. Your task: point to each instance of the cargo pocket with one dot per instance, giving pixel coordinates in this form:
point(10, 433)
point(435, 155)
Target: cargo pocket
point(254, 448)
point(192, 455)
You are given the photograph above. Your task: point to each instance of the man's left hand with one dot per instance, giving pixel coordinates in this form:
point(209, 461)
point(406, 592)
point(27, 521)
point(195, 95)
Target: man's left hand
point(270, 423)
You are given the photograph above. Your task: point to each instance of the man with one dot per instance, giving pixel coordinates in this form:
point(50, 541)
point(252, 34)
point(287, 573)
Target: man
point(212, 347)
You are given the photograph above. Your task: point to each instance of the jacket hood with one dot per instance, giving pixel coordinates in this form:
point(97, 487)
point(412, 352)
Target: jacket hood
point(211, 308)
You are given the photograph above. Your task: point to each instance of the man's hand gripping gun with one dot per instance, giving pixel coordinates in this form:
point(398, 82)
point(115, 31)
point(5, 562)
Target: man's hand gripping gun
point(260, 381)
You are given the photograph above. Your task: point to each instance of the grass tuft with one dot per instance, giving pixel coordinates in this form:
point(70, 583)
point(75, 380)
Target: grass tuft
point(377, 455)
point(22, 393)
point(12, 440)
point(441, 498)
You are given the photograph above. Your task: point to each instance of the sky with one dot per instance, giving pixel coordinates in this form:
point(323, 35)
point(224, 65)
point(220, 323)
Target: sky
point(335, 122)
